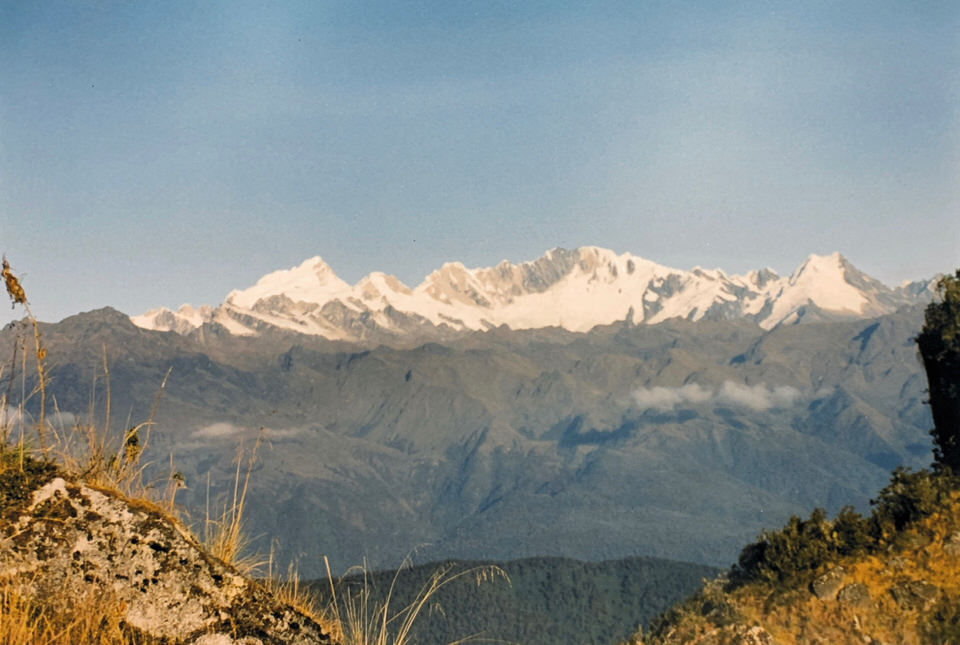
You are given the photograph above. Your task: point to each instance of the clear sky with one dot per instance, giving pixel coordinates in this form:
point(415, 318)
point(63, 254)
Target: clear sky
point(157, 153)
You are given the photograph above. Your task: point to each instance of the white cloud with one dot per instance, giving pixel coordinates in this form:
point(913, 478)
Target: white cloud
point(755, 397)
point(282, 433)
point(9, 416)
point(227, 430)
point(218, 430)
point(665, 399)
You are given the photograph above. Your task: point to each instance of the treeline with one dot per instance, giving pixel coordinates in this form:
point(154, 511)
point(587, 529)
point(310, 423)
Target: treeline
point(546, 601)
point(802, 547)
point(792, 556)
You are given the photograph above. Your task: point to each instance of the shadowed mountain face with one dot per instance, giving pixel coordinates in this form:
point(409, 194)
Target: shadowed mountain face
point(679, 440)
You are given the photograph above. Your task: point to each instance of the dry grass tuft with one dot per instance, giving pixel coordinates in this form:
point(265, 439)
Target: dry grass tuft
point(225, 537)
point(95, 617)
point(110, 461)
point(288, 590)
point(361, 618)
point(19, 297)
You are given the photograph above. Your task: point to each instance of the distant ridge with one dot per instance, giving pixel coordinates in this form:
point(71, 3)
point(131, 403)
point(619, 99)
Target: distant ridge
point(542, 601)
point(572, 289)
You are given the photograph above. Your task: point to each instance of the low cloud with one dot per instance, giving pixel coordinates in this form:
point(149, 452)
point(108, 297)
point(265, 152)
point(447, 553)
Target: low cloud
point(754, 397)
point(9, 416)
point(226, 430)
point(665, 399)
point(282, 433)
point(64, 420)
point(757, 397)
point(218, 430)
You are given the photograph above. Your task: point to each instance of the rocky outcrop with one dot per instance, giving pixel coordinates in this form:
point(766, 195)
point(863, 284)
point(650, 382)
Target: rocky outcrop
point(951, 545)
point(826, 586)
point(855, 595)
point(71, 539)
point(914, 594)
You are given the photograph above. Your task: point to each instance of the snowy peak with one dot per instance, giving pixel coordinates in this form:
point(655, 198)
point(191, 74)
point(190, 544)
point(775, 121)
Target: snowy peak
point(574, 289)
point(380, 287)
point(183, 320)
point(830, 285)
point(821, 281)
point(312, 281)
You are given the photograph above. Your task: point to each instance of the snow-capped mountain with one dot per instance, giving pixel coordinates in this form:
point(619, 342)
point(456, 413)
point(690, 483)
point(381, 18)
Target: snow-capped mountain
point(573, 289)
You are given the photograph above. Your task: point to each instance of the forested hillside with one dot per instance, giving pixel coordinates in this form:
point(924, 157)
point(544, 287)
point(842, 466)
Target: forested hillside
point(541, 601)
point(679, 440)
point(890, 577)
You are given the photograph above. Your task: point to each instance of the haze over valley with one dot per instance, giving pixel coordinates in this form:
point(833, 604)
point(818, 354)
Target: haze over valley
point(676, 436)
point(595, 292)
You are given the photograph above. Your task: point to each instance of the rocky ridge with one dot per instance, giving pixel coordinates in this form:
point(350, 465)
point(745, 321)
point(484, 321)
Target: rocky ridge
point(574, 290)
point(72, 540)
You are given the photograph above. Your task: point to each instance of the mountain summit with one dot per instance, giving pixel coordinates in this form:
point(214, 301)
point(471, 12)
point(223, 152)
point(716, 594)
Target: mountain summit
point(572, 289)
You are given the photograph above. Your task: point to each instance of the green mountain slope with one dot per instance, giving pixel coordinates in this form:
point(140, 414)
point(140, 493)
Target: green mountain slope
point(546, 601)
point(892, 577)
point(677, 440)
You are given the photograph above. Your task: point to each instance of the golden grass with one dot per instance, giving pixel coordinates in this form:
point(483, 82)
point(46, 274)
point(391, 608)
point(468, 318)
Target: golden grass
point(288, 590)
point(224, 537)
point(111, 462)
point(361, 618)
point(96, 617)
point(796, 617)
point(18, 296)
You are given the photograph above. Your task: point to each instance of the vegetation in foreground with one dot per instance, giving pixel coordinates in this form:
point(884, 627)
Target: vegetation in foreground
point(546, 600)
point(353, 615)
point(891, 577)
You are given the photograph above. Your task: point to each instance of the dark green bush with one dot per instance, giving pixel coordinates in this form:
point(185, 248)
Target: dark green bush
point(939, 344)
point(779, 557)
point(851, 532)
point(910, 496)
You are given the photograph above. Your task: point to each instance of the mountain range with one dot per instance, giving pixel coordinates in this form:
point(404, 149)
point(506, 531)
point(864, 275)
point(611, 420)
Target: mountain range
point(681, 439)
point(574, 290)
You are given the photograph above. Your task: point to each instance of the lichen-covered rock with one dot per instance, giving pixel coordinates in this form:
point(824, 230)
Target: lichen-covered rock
point(727, 635)
point(855, 595)
point(951, 546)
point(756, 635)
point(826, 586)
point(914, 594)
point(73, 537)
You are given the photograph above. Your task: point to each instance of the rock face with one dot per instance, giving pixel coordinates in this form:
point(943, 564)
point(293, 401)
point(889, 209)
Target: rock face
point(914, 594)
point(72, 538)
point(951, 545)
point(826, 586)
point(855, 595)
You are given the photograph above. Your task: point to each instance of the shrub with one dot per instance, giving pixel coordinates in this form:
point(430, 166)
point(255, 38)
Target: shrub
point(801, 547)
point(910, 496)
point(780, 556)
point(939, 344)
point(851, 532)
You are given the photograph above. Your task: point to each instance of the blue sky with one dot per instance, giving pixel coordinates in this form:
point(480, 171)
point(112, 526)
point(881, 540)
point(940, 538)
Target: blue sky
point(161, 153)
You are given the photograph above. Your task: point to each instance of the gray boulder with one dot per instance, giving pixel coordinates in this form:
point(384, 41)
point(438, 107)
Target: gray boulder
point(73, 538)
point(914, 594)
point(854, 595)
point(826, 586)
point(951, 546)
